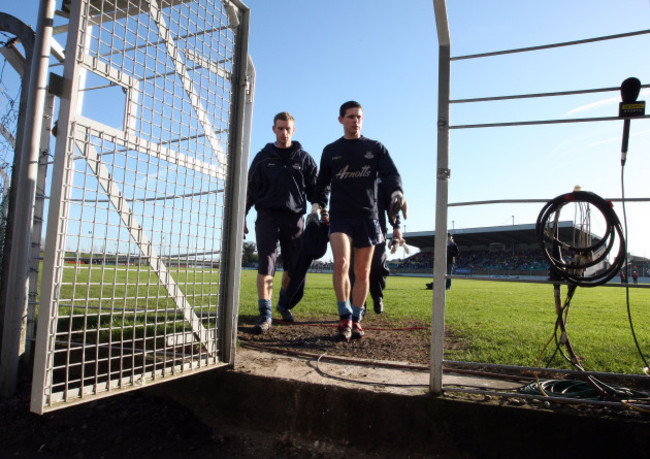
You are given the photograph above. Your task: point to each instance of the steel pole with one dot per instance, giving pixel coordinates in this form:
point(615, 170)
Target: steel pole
point(15, 300)
point(442, 198)
point(234, 232)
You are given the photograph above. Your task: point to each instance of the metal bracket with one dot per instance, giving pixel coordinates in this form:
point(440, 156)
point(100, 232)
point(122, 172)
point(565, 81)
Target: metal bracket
point(444, 173)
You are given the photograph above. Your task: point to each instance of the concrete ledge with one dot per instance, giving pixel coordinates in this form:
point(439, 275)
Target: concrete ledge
point(390, 424)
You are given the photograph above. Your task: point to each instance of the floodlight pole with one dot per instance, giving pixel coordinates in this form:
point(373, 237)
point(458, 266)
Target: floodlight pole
point(442, 199)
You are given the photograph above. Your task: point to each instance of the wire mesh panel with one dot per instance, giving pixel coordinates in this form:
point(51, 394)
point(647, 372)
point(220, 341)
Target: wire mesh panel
point(133, 288)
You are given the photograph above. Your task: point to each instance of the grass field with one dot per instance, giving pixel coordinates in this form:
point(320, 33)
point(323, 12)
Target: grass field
point(500, 322)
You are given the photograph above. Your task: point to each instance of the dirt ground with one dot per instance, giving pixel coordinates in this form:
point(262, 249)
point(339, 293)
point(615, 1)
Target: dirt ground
point(407, 342)
point(136, 425)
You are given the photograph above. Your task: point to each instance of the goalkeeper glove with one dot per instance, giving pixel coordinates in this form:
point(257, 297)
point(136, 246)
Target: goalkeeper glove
point(397, 203)
point(394, 244)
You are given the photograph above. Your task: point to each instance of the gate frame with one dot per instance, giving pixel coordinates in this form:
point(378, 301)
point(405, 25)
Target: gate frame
point(241, 90)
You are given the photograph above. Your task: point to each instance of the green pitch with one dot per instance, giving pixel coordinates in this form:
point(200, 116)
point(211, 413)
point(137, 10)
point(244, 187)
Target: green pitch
point(500, 322)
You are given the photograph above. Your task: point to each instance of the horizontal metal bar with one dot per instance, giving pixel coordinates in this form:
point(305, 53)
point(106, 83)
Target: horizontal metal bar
point(532, 123)
point(158, 42)
point(525, 201)
point(188, 138)
point(523, 279)
point(155, 198)
point(541, 94)
point(549, 46)
point(153, 149)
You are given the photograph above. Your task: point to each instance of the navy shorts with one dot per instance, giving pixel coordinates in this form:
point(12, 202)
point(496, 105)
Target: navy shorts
point(273, 228)
point(364, 232)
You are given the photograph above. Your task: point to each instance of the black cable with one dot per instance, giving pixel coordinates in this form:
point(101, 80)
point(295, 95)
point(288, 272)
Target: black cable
point(568, 261)
point(560, 324)
point(358, 381)
point(627, 286)
point(580, 390)
point(604, 390)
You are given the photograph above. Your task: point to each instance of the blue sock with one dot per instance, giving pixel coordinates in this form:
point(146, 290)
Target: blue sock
point(345, 310)
point(357, 313)
point(266, 308)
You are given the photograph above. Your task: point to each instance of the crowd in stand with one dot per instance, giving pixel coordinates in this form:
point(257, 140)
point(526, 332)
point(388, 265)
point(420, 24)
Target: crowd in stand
point(479, 260)
point(484, 259)
point(421, 260)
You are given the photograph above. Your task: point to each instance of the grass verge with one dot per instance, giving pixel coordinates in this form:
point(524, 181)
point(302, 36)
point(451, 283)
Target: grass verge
point(500, 322)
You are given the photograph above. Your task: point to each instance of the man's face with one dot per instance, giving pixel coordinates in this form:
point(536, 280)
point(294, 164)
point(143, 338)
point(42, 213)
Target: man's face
point(352, 122)
point(283, 132)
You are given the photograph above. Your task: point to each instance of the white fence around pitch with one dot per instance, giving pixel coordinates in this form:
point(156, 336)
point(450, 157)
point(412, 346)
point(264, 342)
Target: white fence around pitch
point(500, 150)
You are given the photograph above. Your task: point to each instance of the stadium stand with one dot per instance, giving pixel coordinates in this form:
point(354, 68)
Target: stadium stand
point(480, 262)
point(510, 250)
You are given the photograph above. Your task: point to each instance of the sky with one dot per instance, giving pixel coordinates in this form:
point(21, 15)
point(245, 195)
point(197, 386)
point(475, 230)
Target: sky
point(311, 56)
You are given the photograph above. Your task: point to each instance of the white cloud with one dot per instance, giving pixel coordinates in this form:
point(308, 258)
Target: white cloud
point(594, 105)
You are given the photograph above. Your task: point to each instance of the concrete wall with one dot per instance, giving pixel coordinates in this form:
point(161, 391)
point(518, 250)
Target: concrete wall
point(392, 425)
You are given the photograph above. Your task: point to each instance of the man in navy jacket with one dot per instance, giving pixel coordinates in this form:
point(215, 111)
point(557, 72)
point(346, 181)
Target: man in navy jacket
point(281, 179)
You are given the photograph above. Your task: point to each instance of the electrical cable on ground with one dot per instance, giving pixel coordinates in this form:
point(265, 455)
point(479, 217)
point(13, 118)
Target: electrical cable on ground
point(635, 402)
point(382, 364)
point(309, 355)
point(357, 381)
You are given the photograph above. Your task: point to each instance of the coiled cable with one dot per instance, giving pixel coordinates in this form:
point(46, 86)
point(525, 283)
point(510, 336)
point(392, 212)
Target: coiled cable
point(569, 260)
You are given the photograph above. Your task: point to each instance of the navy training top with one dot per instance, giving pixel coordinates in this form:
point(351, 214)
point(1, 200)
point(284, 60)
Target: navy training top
point(351, 168)
point(281, 179)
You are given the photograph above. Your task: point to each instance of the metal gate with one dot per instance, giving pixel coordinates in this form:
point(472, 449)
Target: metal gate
point(141, 263)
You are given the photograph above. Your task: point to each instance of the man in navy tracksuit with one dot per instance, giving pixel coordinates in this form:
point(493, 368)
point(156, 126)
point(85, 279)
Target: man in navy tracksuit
point(351, 166)
point(379, 265)
point(281, 179)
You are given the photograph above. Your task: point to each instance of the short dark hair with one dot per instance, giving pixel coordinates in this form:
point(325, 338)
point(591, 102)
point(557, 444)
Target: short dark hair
point(284, 116)
point(349, 104)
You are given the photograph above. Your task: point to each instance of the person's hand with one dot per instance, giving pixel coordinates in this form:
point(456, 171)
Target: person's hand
point(314, 215)
point(325, 217)
point(397, 203)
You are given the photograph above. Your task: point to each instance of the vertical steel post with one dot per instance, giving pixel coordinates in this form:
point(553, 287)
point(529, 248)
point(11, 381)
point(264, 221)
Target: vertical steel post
point(37, 225)
point(11, 334)
point(240, 141)
point(15, 299)
point(68, 99)
point(442, 199)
